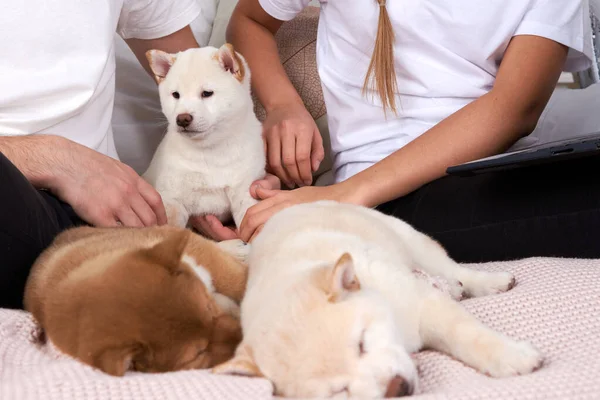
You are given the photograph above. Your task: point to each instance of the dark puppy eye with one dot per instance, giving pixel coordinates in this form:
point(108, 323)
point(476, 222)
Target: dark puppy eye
point(207, 93)
point(176, 95)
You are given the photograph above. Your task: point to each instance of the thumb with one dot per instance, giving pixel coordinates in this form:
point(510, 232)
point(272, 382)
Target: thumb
point(317, 153)
point(263, 194)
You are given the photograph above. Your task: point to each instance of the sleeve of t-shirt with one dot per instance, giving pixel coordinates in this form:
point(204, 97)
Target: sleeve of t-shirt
point(565, 21)
point(283, 10)
point(152, 19)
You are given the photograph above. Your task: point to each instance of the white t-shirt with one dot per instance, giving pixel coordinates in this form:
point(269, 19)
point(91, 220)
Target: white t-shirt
point(57, 72)
point(447, 54)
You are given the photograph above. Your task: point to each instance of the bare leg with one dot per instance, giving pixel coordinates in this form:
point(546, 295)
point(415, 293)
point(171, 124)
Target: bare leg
point(447, 327)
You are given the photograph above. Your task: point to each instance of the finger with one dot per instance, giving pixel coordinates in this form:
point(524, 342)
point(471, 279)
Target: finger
point(220, 232)
point(154, 200)
point(128, 217)
point(256, 233)
point(270, 181)
point(273, 181)
point(263, 193)
point(101, 219)
point(143, 211)
point(253, 221)
point(303, 147)
point(274, 159)
point(263, 205)
point(201, 225)
point(317, 152)
point(288, 157)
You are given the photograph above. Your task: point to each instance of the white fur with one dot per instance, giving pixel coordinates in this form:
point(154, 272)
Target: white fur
point(225, 303)
point(200, 271)
point(208, 167)
point(308, 345)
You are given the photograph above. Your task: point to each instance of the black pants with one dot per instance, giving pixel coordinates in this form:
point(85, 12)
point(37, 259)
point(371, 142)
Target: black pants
point(29, 220)
point(551, 210)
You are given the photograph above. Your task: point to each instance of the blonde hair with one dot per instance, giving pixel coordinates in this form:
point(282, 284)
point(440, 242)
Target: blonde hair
point(381, 75)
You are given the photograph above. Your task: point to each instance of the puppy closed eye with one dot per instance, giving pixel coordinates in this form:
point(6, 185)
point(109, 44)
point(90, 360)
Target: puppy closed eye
point(207, 93)
point(362, 349)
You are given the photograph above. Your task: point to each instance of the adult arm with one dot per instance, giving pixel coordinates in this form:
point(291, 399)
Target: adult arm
point(31, 156)
point(294, 144)
point(101, 190)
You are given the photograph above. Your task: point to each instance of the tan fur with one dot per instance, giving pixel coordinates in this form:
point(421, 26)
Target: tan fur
point(151, 56)
point(241, 70)
point(120, 299)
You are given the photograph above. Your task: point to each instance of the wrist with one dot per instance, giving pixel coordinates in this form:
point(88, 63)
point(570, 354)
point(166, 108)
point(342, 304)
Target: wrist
point(290, 99)
point(53, 176)
point(352, 191)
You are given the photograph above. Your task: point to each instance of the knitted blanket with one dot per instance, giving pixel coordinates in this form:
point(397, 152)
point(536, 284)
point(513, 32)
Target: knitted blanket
point(555, 305)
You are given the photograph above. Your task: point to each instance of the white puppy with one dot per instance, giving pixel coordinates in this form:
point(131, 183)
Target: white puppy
point(213, 149)
point(333, 307)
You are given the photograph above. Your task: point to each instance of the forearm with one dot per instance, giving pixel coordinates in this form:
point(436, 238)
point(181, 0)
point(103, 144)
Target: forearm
point(34, 157)
point(486, 127)
point(180, 40)
point(257, 44)
point(489, 125)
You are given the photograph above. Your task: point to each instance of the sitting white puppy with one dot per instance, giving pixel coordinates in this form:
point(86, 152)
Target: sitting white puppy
point(333, 307)
point(213, 148)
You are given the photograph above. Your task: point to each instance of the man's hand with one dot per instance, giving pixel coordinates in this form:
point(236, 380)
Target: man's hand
point(293, 143)
point(211, 227)
point(105, 192)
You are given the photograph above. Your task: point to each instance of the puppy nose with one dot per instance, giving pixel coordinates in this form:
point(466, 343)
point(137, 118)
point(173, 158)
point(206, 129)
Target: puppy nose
point(398, 387)
point(184, 120)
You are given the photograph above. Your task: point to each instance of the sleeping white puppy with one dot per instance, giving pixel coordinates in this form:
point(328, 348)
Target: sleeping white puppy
point(333, 307)
point(213, 149)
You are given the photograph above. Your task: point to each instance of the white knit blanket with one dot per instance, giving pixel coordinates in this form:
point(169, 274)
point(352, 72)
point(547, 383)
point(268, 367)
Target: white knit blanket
point(555, 305)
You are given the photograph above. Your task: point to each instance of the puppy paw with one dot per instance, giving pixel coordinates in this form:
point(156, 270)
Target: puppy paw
point(456, 289)
point(237, 248)
point(511, 359)
point(486, 283)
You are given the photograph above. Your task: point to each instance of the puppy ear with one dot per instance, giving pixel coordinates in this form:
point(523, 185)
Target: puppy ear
point(114, 361)
point(242, 364)
point(343, 278)
point(168, 253)
point(160, 63)
point(231, 61)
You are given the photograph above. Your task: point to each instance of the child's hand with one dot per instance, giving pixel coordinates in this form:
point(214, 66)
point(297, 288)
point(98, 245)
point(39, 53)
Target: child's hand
point(294, 144)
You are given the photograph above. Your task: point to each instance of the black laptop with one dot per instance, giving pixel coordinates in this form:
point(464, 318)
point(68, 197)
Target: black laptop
point(550, 152)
